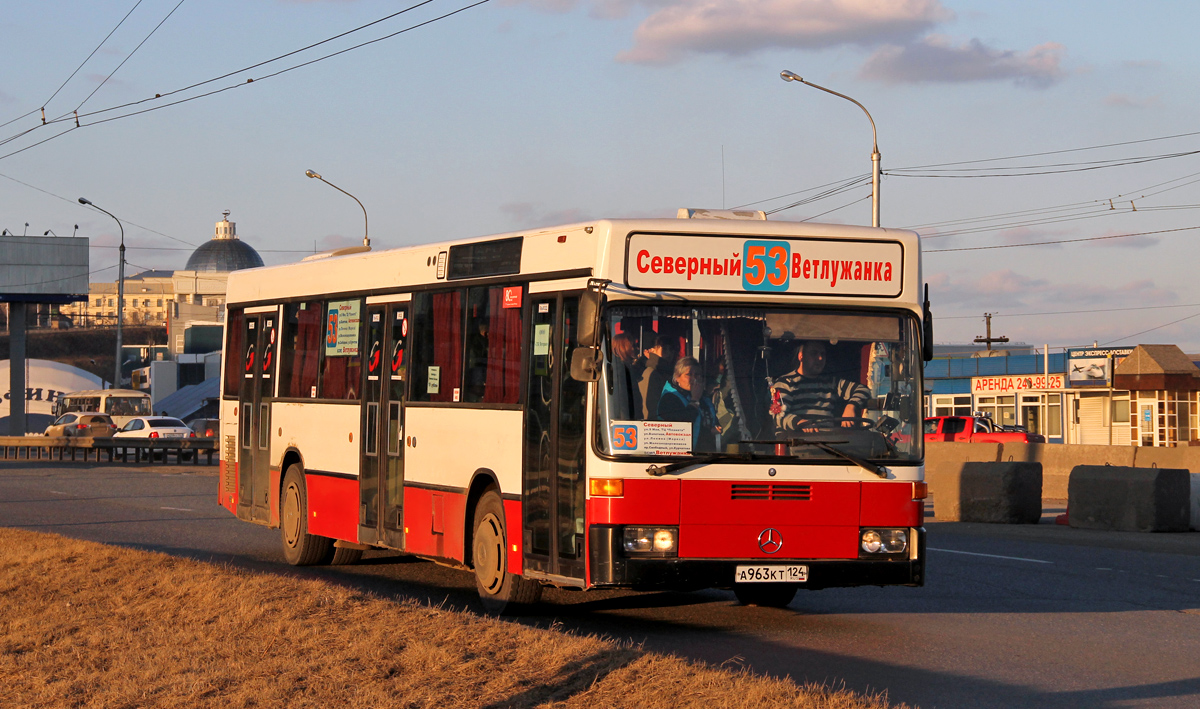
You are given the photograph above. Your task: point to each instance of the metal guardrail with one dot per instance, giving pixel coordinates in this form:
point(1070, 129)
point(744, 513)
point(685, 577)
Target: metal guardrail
point(111, 449)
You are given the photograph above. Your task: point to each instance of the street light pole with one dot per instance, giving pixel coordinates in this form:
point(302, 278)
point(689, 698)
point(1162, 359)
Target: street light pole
point(120, 292)
point(876, 158)
point(366, 238)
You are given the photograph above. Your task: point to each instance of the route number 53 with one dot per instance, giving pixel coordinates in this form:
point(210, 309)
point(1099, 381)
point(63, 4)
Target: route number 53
point(765, 265)
point(624, 438)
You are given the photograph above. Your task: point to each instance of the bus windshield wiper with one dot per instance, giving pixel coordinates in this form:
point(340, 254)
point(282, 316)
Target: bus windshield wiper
point(704, 459)
point(825, 446)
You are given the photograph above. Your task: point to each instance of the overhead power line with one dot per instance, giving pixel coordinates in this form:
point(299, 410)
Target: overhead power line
point(81, 117)
point(1069, 312)
point(1061, 241)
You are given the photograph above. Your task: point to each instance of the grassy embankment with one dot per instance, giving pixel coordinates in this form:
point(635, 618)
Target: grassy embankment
point(84, 624)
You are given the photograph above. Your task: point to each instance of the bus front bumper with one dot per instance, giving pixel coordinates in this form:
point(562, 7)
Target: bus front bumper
point(612, 568)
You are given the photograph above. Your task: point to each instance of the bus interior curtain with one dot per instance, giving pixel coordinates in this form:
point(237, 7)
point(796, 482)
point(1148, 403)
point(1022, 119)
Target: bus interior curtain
point(305, 353)
point(504, 351)
point(447, 338)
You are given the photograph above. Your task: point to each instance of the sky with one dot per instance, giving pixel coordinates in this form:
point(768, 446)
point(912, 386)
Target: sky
point(1047, 153)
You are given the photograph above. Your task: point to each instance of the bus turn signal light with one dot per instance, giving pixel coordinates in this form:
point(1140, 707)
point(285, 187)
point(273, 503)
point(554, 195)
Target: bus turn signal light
point(607, 487)
point(920, 491)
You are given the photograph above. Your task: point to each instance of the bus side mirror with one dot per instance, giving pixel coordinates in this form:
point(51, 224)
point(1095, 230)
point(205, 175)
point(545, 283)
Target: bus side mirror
point(585, 364)
point(927, 321)
point(588, 332)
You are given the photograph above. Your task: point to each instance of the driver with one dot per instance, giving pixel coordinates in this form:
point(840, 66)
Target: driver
point(803, 399)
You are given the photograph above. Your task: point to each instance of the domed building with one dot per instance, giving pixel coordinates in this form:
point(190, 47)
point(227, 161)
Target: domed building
point(225, 252)
point(200, 286)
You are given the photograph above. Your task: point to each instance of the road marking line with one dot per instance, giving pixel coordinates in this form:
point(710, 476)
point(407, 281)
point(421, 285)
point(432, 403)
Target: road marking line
point(56, 492)
point(179, 509)
point(991, 556)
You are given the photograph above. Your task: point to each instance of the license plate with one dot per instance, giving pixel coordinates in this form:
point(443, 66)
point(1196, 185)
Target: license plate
point(771, 574)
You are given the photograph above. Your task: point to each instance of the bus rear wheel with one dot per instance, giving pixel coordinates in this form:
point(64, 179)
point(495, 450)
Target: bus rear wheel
point(299, 547)
point(500, 590)
point(768, 595)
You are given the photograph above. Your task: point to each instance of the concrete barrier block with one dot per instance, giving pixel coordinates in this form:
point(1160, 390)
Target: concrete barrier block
point(1162, 457)
point(1129, 499)
point(998, 493)
point(944, 461)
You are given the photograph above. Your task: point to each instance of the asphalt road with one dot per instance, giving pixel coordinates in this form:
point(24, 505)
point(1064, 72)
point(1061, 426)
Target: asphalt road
point(1036, 615)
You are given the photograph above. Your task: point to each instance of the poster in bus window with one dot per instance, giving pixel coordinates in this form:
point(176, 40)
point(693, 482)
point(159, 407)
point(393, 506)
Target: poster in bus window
point(541, 350)
point(342, 320)
point(650, 437)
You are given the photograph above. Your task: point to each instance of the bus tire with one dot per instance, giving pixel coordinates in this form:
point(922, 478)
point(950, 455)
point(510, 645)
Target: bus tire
point(500, 591)
point(767, 595)
point(342, 557)
point(299, 547)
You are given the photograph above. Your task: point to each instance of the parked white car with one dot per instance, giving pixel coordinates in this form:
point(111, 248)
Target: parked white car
point(155, 427)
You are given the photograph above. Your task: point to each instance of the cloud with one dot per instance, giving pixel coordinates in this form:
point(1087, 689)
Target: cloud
point(739, 27)
point(525, 215)
point(1127, 101)
point(934, 59)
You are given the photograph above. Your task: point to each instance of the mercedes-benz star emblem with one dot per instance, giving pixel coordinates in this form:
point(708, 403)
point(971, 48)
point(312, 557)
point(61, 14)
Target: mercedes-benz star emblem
point(770, 540)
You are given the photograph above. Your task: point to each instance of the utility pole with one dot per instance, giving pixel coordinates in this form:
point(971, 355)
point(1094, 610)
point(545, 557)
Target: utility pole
point(989, 339)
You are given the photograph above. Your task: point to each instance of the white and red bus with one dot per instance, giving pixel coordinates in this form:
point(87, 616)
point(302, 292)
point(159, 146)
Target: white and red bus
point(474, 402)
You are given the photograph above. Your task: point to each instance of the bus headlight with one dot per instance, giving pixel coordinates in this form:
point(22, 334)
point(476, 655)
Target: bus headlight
point(651, 541)
point(882, 542)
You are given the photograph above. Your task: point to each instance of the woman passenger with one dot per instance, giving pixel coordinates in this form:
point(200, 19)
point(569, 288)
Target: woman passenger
point(683, 399)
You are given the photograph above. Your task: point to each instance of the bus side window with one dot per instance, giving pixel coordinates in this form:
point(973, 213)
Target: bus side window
point(233, 352)
point(493, 338)
point(437, 346)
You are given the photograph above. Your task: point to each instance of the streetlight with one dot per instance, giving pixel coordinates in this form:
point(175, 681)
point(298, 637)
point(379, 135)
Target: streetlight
point(875, 156)
point(48, 232)
point(120, 291)
point(366, 238)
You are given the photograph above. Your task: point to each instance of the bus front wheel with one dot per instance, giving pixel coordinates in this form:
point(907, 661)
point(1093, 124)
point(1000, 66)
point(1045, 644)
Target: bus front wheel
point(299, 547)
point(500, 590)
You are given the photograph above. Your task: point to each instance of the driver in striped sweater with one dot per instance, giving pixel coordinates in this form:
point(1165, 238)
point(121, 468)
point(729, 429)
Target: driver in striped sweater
point(806, 399)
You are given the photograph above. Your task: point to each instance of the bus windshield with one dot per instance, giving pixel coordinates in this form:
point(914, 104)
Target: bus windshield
point(698, 380)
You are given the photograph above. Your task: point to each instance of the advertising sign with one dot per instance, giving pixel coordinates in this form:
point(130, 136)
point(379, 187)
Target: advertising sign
point(45, 381)
point(342, 319)
point(1093, 366)
point(785, 266)
point(1015, 383)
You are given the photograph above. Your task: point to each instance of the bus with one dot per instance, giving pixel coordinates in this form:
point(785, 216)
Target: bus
point(120, 404)
point(475, 403)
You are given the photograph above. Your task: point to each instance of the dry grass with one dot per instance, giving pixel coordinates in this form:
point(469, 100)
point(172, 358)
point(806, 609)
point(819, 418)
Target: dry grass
point(89, 625)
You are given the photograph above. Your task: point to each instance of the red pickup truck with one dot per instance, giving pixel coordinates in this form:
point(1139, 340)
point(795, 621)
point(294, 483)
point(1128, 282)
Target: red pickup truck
point(974, 429)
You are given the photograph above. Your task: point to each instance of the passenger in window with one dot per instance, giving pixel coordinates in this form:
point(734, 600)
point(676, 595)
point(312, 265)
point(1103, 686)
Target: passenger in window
point(627, 374)
point(660, 363)
point(685, 398)
point(477, 360)
point(807, 399)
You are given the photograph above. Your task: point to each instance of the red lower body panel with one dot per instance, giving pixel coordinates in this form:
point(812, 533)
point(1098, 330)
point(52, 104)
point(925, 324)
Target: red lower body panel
point(332, 506)
point(434, 522)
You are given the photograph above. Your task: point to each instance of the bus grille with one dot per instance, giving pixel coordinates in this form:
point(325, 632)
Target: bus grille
point(770, 491)
point(230, 461)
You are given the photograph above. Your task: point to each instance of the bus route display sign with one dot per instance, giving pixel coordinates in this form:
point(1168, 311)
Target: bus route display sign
point(787, 266)
point(342, 319)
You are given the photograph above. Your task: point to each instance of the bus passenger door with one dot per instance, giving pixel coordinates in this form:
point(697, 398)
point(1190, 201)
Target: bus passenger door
point(254, 471)
point(381, 480)
point(553, 480)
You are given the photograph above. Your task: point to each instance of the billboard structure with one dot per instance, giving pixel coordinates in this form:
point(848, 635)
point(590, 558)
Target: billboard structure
point(36, 269)
point(1093, 366)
